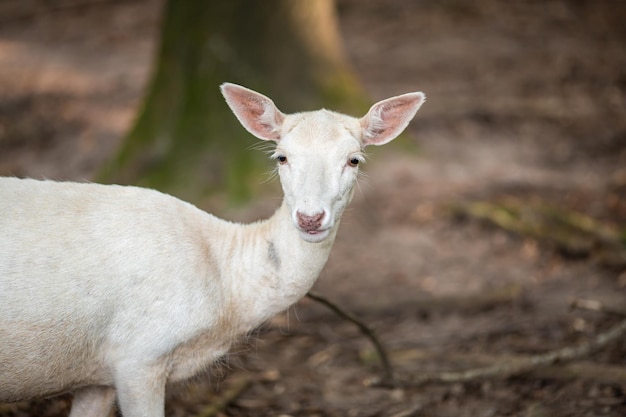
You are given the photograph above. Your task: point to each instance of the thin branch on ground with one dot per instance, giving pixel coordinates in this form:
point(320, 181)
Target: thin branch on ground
point(594, 305)
point(583, 369)
point(503, 370)
point(389, 378)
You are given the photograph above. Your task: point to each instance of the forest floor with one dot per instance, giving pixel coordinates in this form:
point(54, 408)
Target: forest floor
point(526, 106)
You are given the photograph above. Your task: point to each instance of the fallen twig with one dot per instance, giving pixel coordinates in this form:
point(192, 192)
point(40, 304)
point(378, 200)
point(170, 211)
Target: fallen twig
point(595, 305)
point(389, 378)
point(509, 368)
point(583, 369)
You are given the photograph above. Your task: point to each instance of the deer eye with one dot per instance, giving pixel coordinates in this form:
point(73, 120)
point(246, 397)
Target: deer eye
point(354, 161)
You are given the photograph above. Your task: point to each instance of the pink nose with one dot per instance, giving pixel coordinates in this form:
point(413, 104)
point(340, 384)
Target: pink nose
point(310, 223)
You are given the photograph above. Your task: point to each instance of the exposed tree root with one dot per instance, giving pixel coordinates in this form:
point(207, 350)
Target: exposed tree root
point(513, 366)
point(389, 378)
point(541, 364)
point(583, 369)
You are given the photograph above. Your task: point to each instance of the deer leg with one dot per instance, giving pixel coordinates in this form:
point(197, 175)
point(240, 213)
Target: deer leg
point(96, 401)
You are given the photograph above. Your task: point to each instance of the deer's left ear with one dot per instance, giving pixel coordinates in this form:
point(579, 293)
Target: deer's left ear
point(386, 119)
point(255, 112)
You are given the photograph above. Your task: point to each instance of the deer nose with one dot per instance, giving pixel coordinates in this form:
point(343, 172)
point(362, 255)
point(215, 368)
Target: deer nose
point(310, 223)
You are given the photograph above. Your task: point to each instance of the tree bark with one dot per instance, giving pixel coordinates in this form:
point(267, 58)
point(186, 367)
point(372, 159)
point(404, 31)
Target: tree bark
point(184, 140)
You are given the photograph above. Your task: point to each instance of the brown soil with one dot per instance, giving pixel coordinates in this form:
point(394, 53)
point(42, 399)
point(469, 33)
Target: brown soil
point(525, 99)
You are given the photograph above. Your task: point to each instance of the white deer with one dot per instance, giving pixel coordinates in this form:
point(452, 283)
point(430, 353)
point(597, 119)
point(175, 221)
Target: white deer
point(111, 292)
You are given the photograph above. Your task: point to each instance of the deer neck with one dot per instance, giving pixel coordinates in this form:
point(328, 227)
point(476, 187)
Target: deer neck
point(273, 267)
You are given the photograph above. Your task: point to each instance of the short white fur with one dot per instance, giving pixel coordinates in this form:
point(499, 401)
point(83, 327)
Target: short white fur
point(111, 292)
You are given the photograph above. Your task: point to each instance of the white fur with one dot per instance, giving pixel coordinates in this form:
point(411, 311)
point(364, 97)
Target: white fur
point(112, 291)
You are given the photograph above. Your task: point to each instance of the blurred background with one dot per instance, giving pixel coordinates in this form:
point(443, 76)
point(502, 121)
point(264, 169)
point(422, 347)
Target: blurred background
point(467, 240)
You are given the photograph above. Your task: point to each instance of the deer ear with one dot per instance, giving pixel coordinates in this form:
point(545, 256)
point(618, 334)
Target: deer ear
point(255, 112)
point(386, 119)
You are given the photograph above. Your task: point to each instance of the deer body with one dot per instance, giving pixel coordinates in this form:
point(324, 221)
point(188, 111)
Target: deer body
point(112, 291)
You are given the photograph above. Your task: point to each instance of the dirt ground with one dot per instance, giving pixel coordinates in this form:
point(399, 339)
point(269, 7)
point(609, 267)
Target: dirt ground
point(526, 100)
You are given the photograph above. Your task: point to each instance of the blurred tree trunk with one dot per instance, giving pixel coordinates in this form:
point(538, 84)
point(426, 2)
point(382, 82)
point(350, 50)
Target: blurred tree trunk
point(185, 141)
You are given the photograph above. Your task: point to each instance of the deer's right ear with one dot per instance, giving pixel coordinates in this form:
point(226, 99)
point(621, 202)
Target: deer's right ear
point(255, 112)
point(388, 118)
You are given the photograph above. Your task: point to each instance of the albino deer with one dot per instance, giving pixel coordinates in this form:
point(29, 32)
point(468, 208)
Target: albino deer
point(111, 292)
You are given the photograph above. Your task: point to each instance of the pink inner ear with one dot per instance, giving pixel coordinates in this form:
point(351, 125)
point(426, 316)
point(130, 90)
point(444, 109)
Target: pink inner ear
point(260, 117)
point(255, 112)
point(388, 118)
